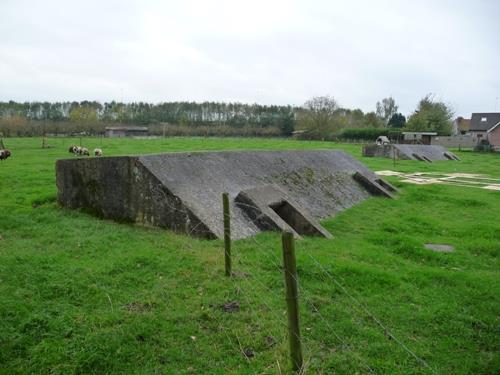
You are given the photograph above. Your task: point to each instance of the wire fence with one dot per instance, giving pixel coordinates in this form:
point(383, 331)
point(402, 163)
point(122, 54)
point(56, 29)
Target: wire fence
point(257, 281)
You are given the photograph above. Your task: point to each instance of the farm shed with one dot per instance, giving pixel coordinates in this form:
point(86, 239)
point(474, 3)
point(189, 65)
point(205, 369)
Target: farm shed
point(126, 131)
point(269, 190)
point(424, 138)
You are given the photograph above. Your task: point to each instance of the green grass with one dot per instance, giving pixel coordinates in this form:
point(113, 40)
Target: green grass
point(83, 295)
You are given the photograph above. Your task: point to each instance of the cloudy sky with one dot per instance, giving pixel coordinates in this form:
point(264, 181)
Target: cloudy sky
point(259, 51)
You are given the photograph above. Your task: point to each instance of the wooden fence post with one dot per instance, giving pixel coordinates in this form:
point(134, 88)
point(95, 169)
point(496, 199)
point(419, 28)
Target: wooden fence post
point(292, 302)
point(227, 233)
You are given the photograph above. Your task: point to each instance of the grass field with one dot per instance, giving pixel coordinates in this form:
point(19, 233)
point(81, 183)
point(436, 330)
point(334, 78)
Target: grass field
point(82, 295)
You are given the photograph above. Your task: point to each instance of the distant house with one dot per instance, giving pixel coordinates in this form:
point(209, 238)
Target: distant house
point(494, 137)
point(486, 128)
point(460, 126)
point(418, 137)
point(126, 131)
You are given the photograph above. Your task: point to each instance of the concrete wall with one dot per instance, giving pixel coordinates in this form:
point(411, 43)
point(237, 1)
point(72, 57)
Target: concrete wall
point(122, 189)
point(455, 141)
point(479, 135)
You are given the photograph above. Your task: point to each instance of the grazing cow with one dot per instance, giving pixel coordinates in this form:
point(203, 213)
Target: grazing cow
point(72, 149)
point(4, 154)
point(97, 152)
point(84, 151)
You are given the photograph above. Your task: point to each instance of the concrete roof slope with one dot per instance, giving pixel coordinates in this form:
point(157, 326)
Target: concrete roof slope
point(321, 182)
point(484, 121)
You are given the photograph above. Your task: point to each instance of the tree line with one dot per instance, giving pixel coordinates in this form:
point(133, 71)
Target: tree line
point(323, 118)
point(91, 116)
point(182, 113)
point(319, 118)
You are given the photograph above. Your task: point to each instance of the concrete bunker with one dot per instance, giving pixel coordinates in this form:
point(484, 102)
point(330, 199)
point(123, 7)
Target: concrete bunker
point(427, 153)
point(268, 190)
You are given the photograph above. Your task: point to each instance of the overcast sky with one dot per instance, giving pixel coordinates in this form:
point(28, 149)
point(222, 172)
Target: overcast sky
point(253, 51)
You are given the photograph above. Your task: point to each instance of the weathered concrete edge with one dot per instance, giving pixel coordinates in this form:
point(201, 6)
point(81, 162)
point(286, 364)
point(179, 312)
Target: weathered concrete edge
point(139, 201)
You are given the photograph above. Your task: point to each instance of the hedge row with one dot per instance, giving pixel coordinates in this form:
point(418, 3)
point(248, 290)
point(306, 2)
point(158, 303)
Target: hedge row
point(369, 134)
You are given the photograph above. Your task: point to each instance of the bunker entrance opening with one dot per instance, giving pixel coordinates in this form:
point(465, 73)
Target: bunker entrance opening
point(384, 184)
point(294, 218)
